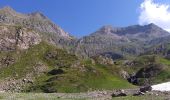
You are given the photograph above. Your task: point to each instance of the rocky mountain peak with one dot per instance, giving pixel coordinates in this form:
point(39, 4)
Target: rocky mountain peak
point(7, 9)
point(143, 31)
point(108, 29)
point(153, 26)
point(38, 15)
point(36, 21)
point(133, 29)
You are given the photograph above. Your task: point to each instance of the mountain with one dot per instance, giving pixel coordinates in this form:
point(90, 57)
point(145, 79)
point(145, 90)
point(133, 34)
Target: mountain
point(146, 32)
point(38, 22)
point(120, 41)
point(38, 56)
point(130, 40)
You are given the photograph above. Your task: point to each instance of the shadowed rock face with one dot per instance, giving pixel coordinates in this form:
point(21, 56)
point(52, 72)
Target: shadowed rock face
point(150, 71)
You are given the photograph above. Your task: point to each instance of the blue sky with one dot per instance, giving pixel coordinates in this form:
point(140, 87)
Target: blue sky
point(82, 17)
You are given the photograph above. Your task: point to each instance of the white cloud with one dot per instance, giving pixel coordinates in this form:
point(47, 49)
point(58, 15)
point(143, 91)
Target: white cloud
point(151, 12)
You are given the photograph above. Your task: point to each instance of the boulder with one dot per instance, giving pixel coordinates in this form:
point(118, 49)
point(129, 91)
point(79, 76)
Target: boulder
point(56, 72)
point(119, 94)
point(122, 94)
point(124, 74)
point(133, 79)
point(139, 94)
point(145, 89)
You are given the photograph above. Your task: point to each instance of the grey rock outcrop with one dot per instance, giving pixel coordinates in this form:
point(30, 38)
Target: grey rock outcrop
point(38, 22)
point(13, 37)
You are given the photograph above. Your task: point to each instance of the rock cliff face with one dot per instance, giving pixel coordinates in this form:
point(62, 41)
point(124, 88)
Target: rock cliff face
point(38, 22)
point(35, 21)
point(131, 40)
point(13, 37)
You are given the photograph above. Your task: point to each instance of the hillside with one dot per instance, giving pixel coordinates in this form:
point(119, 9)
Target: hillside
point(44, 68)
point(38, 56)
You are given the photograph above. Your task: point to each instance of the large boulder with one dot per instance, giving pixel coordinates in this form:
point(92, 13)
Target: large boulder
point(145, 89)
point(139, 94)
point(124, 74)
point(133, 79)
point(56, 71)
point(119, 93)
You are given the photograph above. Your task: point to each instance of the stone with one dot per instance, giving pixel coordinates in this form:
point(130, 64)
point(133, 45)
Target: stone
point(124, 74)
point(24, 80)
point(145, 89)
point(122, 94)
point(133, 79)
point(30, 81)
point(119, 93)
point(56, 71)
point(139, 94)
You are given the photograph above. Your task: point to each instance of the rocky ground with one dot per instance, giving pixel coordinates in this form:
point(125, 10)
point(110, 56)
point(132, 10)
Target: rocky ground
point(128, 94)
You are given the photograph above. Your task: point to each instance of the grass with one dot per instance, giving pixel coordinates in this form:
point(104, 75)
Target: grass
point(25, 62)
point(164, 75)
point(165, 61)
point(106, 80)
point(83, 77)
point(146, 61)
point(95, 78)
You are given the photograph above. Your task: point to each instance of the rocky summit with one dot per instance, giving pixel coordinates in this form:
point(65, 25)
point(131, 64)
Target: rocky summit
point(131, 40)
point(35, 21)
point(37, 55)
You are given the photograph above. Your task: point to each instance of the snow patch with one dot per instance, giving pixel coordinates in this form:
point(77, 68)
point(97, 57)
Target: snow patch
point(162, 87)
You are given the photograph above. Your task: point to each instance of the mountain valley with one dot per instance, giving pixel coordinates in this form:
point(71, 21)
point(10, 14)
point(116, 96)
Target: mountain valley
point(38, 56)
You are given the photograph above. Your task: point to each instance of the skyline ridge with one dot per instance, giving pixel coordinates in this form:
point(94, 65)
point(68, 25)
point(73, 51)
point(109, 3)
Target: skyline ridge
point(8, 8)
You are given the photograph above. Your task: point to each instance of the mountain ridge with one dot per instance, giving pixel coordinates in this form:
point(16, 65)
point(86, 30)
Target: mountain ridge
point(121, 40)
point(36, 55)
point(134, 28)
point(28, 21)
point(38, 22)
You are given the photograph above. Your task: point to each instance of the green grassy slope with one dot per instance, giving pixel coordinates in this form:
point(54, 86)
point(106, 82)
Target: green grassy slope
point(72, 74)
point(152, 69)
